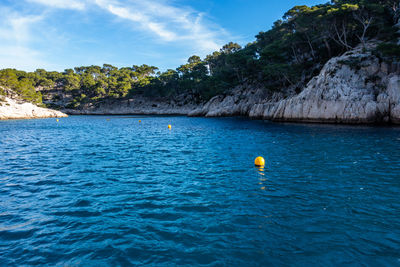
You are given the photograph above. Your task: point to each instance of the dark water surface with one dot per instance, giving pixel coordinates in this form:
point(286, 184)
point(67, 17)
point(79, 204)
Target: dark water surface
point(86, 191)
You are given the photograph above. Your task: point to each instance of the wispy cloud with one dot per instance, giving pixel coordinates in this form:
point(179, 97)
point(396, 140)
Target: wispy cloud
point(15, 40)
point(29, 40)
point(164, 20)
point(139, 17)
point(16, 27)
point(168, 22)
point(66, 4)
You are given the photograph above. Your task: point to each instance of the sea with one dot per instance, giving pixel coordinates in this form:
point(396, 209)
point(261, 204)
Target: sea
point(129, 191)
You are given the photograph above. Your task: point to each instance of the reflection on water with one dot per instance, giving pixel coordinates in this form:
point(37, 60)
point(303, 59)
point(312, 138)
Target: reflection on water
point(262, 179)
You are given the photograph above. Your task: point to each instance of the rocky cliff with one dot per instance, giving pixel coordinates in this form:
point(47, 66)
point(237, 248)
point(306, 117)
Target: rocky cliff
point(353, 88)
point(13, 108)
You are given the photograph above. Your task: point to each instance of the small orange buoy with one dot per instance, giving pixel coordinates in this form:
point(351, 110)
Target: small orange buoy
point(140, 121)
point(169, 127)
point(259, 162)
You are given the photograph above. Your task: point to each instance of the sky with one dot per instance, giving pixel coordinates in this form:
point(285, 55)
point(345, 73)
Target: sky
point(62, 34)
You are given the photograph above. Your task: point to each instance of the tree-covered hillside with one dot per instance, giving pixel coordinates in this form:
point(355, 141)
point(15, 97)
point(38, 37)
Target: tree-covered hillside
point(287, 56)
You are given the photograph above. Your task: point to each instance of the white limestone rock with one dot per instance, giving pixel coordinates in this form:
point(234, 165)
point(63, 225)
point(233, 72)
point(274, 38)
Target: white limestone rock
point(352, 88)
point(16, 109)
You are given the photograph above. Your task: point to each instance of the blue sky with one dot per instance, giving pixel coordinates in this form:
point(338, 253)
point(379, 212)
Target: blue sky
point(61, 34)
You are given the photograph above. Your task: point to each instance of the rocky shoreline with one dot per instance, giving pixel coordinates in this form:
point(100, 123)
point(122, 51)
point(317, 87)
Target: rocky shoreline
point(355, 88)
point(12, 109)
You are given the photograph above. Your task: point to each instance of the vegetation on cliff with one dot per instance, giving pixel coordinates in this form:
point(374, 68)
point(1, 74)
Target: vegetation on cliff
point(287, 56)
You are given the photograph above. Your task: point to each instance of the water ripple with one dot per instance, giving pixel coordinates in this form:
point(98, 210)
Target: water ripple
point(86, 192)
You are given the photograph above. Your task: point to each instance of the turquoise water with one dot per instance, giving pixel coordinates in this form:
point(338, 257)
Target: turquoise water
point(86, 191)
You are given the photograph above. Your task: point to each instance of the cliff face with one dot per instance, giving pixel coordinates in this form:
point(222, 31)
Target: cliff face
point(238, 103)
point(353, 88)
point(13, 108)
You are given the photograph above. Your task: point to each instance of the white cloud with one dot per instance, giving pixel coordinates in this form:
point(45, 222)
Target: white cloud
point(26, 35)
point(15, 40)
point(159, 17)
point(144, 20)
point(17, 27)
point(65, 4)
point(168, 22)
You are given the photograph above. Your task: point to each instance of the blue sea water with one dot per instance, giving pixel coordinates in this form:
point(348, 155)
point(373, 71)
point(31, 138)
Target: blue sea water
point(87, 191)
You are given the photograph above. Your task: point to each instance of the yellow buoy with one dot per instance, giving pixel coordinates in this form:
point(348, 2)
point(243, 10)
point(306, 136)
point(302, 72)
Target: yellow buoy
point(140, 121)
point(259, 162)
point(57, 120)
point(169, 127)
